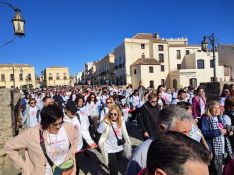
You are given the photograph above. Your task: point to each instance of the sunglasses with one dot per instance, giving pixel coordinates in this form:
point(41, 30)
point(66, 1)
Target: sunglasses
point(109, 102)
point(92, 97)
point(114, 114)
point(153, 102)
point(32, 103)
point(57, 124)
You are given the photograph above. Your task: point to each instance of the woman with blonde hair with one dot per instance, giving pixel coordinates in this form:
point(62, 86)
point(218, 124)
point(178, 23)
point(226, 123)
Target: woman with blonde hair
point(114, 139)
point(214, 129)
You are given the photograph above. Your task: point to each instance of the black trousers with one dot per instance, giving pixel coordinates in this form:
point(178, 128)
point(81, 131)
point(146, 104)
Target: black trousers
point(113, 159)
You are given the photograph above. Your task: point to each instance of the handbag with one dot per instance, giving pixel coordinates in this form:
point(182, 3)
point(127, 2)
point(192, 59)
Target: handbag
point(119, 141)
point(66, 168)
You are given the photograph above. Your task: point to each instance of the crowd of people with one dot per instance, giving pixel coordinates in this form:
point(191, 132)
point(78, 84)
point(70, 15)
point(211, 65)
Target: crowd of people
point(182, 131)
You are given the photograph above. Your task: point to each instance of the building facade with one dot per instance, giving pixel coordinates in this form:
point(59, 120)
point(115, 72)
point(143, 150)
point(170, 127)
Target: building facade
point(56, 76)
point(105, 70)
point(17, 76)
point(226, 57)
point(181, 64)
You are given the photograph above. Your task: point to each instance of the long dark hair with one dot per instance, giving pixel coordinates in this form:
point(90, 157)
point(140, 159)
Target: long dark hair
point(89, 98)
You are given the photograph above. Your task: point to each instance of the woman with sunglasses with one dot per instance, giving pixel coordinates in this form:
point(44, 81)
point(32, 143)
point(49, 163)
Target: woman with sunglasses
point(105, 110)
point(60, 141)
point(32, 114)
point(92, 110)
point(114, 139)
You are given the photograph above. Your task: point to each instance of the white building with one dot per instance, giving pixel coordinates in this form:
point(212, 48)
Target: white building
point(180, 65)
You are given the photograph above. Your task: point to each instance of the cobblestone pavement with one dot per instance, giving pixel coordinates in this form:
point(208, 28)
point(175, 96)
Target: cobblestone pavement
point(92, 163)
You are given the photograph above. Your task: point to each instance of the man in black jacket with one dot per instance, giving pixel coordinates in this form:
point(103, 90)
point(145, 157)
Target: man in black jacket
point(148, 117)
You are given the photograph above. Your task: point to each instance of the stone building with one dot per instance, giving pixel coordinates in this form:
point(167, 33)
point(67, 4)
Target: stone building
point(56, 76)
point(105, 70)
point(17, 76)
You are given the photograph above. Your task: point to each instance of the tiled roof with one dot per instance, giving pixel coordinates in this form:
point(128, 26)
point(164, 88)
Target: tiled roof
point(143, 36)
point(145, 61)
point(15, 65)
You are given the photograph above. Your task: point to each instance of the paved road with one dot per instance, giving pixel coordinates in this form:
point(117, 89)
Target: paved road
point(92, 164)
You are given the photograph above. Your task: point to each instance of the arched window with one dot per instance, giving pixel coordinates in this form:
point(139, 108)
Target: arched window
point(200, 64)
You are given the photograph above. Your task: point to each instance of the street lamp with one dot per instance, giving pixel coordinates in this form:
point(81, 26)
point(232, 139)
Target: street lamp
point(18, 23)
point(204, 46)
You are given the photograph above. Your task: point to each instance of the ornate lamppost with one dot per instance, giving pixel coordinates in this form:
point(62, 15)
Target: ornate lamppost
point(204, 45)
point(18, 22)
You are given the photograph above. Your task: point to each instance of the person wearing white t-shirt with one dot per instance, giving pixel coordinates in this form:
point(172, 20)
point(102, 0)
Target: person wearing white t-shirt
point(114, 139)
point(72, 117)
point(32, 114)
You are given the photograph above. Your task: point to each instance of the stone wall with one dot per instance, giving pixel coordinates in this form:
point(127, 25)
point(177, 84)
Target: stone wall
point(8, 101)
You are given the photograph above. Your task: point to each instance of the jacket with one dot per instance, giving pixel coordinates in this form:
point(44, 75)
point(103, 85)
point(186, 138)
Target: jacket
point(35, 161)
point(196, 108)
point(127, 148)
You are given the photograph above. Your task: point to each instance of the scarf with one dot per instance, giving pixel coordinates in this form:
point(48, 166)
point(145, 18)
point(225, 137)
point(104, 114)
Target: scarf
point(217, 141)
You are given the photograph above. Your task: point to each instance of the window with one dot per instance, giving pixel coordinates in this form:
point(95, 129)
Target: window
point(3, 77)
point(151, 69)
point(193, 82)
point(200, 64)
point(143, 55)
point(50, 76)
point(160, 47)
point(187, 52)
point(151, 84)
point(174, 82)
point(162, 68)
point(135, 72)
point(57, 76)
point(178, 53)
point(161, 58)
point(29, 77)
point(142, 46)
point(211, 63)
point(163, 82)
point(65, 76)
point(11, 77)
point(21, 77)
point(178, 66)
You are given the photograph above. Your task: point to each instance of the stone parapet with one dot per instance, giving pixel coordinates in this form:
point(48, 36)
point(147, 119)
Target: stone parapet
point(8, 101)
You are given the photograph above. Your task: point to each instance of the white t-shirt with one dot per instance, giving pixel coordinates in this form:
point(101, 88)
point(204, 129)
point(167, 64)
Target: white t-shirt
point(111, 141)
point(33, 116)
point(57, 149)
point(92, 109)
point(125, 112)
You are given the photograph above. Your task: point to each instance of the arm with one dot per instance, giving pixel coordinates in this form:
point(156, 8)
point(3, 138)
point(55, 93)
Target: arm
point(13, 145)
point(140, 119)
point(194, 107)
point(208, 134)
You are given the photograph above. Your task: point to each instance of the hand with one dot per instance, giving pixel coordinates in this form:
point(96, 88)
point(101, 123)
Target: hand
point(223, 131)
point(231, 133)
point(93, 145)
point(146, 134)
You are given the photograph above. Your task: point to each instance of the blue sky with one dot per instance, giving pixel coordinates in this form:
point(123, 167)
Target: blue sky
point(72, 32)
